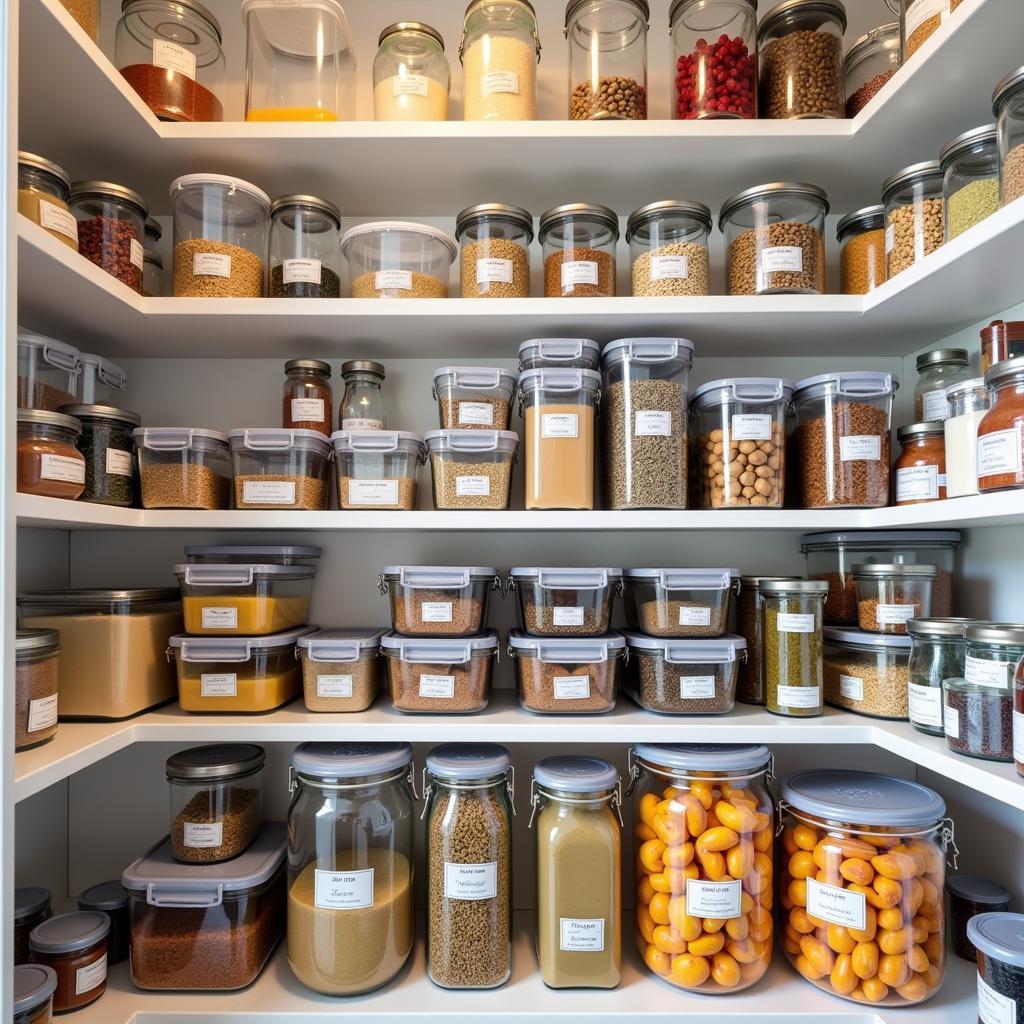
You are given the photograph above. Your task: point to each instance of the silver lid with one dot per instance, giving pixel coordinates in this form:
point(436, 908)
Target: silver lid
point(951, 627)
point(503, 210)
point(102, 412)
point(192, 6)
point(97, 598)
point(1010, 83)
point(940, 356)
point(913, 175)
point(680, 6)
point(43, 417)
point(573, 7)
point(997, 633)
point(588, 211)
point(996, 374)
point(34, 641)
point(411, 26)
point(935, 427)
point(963, 386)
point(309, 202)
point(474, 4)
point(40, 163)
point(774, 189)
point(664, 207)
point(108, 190)
point(782, 587)
point(867, 218)
point(215, 762)
point(870, 570)
point(826, 8)
point(983, 135)
point(363, 366)
point(314, 365)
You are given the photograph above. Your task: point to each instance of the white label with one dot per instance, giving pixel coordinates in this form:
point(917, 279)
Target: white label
point(572, 687)
point(951, 722)
point(268, 492)
point(437, 686)
point(493, 270)
point(52, 217)
point(788, 623)
point(890, 238)
point(670, 268)
point(560, 424)
point(1018, 737)
point(799, 696)
point(470, 881)
point(410, 85)
point(925, 704)
point(220, 618)
point(999, 452)
point(917, 483)
point(203, 835)
point(219, 684)
point(836, 905)
point(718, 900)
point(851, 687)
point(694, 616)
point(567, 616)
point(372, 492)
point(470, 486)
point(477, 414)
point(993, 1006)
point(696, 687)
point(308, 410)
point(934, 406)
point(860, 448)
point(355, 423)
point(88, 978)
point(788, 258)
point(63, 468)
point(651, 423)
point(894, 614)
point(173, 57)
point(42, 713)
point(136, 254)
point(334, 686)
point(749, 427)
point(920, 11)
point(436, 611)
point(118, 463)
point(396, 280)
point(982, 672)
point(499, 81)
point(343, 890)
point(579, 272)
point(211, 264)
point(301, 271)
point(581, 934)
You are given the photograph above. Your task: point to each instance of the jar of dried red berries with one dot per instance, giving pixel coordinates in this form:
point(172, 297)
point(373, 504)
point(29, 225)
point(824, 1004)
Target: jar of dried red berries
point(714, 43)
point(111, 228)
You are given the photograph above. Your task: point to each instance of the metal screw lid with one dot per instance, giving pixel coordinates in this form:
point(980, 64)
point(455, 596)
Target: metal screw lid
point(411, 26)
point(932, 429)
point(915, 174)
point(314, 365)
point(503, 210)
point(984, 135)
point(826, 8)
point(363, 366)
point(43, 417)
point(681, 6)
point(102, 412)
point(872, 569)
point(309, 202)
point(108, 190)
point(215, 761)
point(573, 7)
point(666, 207)
point(33, 640)
point(40, 163)
point(1005, 370)
point(153, 228)
point(941, 356)
point(793, 189)
point(867, 218)
point(1013, 81)
point(950, 627)
point(593, 211)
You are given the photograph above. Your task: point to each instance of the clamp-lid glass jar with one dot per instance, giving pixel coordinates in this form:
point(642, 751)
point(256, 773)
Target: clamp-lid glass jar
point(578, 242)
point(970, 172)
point(913, 216)
point(920, 19)
point(308, 400)
point(48, 371)
point(791, 614)
point(920, 468)
point(411, 76)
point(775, 239)
point(362, 404)
point(861, 238)
point(34, 986)
point(668, 248)
point(75, 946)
point(1001, 432)
point(111, 227)
point(890, 595)
point(1008, 106)
point(108, 446)
point(870, 62)
point(49, 464)
point(43, 190)
point(494, 240)
point(398, 259)
point(35, 686)
point(936, 371)
point(867, 673)
point(938, 654)
point(305, 253)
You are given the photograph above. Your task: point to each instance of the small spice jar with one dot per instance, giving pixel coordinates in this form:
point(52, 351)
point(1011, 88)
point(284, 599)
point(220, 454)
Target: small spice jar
point(913, 216)
point(398, 260)
point(668, 248)
point(920, 468)
point(861, 238)
point(579, 241)
point(1008, 106)
point(1001, 432)
point(469, 793)
point(889, 596)
point(49, 464)
point(35, 687)
point(411, 76)
point(607, 59)
point(183, 467)
point(43, 190)
point(750, 678)
point(305, 254)
point(75, 946)
point(970, 176)
point(872, 60)
point(34, 985)
point(107, 444)
point(111, 221)
point(999, 941)
point(937, 654)
point(110, 898)
point(48, 371)
point(867, 673)
point(775, 240)
point(936, 371)
point(791, 629)
point(494, 240)
point(362, 404)
point(800, 52)
point(920, 19)
point(968, 897)
point(31, 907)
point(1001, 340)
point(307, 399)
point(570, 353)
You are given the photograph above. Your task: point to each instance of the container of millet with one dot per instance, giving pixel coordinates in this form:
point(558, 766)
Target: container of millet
point(377, 469)
point(394, 259)
point(680, 602)
point(890, 595)
point(183, 467)
point(474, 397)
point(36, 661)
point(34, 986)
point(968, 897)
point(110, 898)
point(472, 469)
point(279, 468)
point(75, 946)
point(342, 669)
point(867, 673)
point(437, 600)
point(566, 601)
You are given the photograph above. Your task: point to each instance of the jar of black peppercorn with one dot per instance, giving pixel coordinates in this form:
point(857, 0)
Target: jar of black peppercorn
point(305, 248)
point(111, 228)
point(109, 450)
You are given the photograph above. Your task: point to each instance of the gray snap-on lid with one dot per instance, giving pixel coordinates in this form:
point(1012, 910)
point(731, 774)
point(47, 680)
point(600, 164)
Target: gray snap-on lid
point(350, 760)
point(575, 774)
point(471, 441)
point(719, 651)
point(278, 439)
point(648, 351)
point(555, 379)
point(567, 650)
point(34, 984)
point(977, 890)
point(438, 577)
point(477, 378)
point(215, 762)
point(863, 798)
point(748, 390)
point(999, 935)
point(29, 901)
point(104, 896)
point(281, 554)
point(891, 641)
point(439, 650)
point(377, 442)
point(855, 383)
point(872, 570)
point(536, 353)
point(58, 354)
point(566, 578)
point(174, 439)
point(44, 417)
point(96, 368)
point(686, 579)
point(238, 574)
point(341, 644)
point(468, 762)
point(1010, 633)
point(874, 538)
point(950, 627)
point(209, 649)
point(69, 933)
point(722, 757)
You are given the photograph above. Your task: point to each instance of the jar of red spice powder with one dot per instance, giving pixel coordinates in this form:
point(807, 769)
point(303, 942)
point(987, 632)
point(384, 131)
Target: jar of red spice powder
point(111, 228)
point(920, 470)
point(48, 461)
point(1001, 432)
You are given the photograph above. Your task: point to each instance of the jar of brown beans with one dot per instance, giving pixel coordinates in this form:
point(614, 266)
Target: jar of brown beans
point(861, 237)
point(913, 215)
point(579, 242)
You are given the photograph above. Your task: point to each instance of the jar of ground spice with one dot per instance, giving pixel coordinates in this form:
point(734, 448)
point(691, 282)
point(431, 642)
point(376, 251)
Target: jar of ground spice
point(108, 446)
point(913, 216)
point(35, 686)
point(579, 242)
point(936, 371)
point(34, 986)
point(668, 248)
point(872, 60)
point(937, 654)
point(1001, 340)
point(1008, 106)
point(183, 467)
point(861, 238)
point(890, 595)
point(48, 371)
point(305, 253)
point(43, 190)
point(920, 468)
point(111, 227)
point(920, 19)
point(75, 947)
point(1001, 432)
point(308, 400)
point(791, 628)
point(494, 240)
point(998, 939)
point(970, 171)
point(750, 679)
point(49, 464)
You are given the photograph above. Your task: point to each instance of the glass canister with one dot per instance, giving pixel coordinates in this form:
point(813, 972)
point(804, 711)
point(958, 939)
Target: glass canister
point(36, 666)
point(362, 405)
point(108, 447)
point(411, 76)
point(970, 896)
point(153, 274)
point(575, 807)
point(872, 60)
point(913, 216)
point(775, 239)
point(607, 59)
point(970, 173)
point(350, 864)
point(494, 241)
point(48, 372)
point(936, 371)
point(704, 843)
point(998, 939)
point(644, 413)
point(867, 673)
point(220, 237)
point(714, 43)
point(111, 221)
point(305, 249)
point(169, 52)
point(868, 924)
point(668, 248)
point(578, 242)
point(49, 464)
point(861, 238)
point(920, 468)
point(469, 797)
point(890, 595)
point(920, 19)
point(75, 946)
point(308, 401)
point(750, 677)
point(1008, 106)
point(937, 654)
point(43, 190)
point(791, 629)
point(1001, 431)
point(34, 986)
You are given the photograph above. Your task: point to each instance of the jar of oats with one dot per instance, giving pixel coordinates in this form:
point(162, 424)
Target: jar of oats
point(494, 240)
point(668, 248)
point(913, 215)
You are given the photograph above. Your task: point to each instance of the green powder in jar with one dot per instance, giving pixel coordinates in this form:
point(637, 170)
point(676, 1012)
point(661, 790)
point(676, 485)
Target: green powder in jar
point(971, 205)
point(792, 663)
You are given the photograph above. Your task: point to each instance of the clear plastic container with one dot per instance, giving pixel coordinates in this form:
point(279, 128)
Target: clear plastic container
point(206, 928)
point(107, 444)
point(101, 382)
point(750, 688)
point(472, 469)
point(377, 469)
point(43, 189)
point(680, 602)
point(474, 397)
point(870, 62)
point(920, 19)
point(889, 595)
point(300, 62)
point(913, 216)
point(644, 415)
point(183, 467)
point(938, 653)
point(307, 399)
point(436, 600)
point(578, 241)
point(411, 76)
point(278, 468)
point(559, 353)
point(48, 462)
point(74, 946)
point(48, 371)
point(1001, 431)
point(440, 675)
point(867, 673)
point(265, 554)
point(970, 173)
point(791, 629)
point(607, 59)
point(36, 665)
point(861, 238)
point(362, 405)
point(967, 402)
point(494, 241)
point(567, 675)
point(31, 906)
point(34, 986)
point(342, 669)
point(305, 258)
point(111, 221)
point(566, 601)
point(970, 896)
point(238, 673)
point(937, 370)
point(112, 900)
point(1008, 106)
point(920, 468)
point(396, 259)
point(668, 247)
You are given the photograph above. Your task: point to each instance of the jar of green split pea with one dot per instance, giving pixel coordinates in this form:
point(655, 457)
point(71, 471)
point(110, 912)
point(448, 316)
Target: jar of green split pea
point(791, 618)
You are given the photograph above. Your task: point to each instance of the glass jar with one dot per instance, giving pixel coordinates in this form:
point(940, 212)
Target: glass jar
point(559, 410)
point(494, 240)
point(704, 888)
point(111, 899)
point(153, 285)
point(750, 687)
point(968, 897)
point(890, 595)
point(668, 248)
point(800, 52)
point(43, 190)
point(49, 464)
point(993, 651)
point(872, 60)
point(34, 986)
point(644, 413)
point(575, 805)
point(153, 231)
point(280, 468)
point(714, 45)
point(110, 228)
point(469, 796)
point(861, 238)
point(87, 14)
point(567, 675)
point(220, 237)
point(1001, 340)
point(680, 602)
point(578, 242)
point(867, 673)
point(411, 76)
point(791, 628)
point(937, 655)
point(607, 59)
point(362, 405)
point(307, 399)
point(1008, 106)
point(305, 253)
point(559, 353)
point(564, 602)
point(775, 240)
point(882, 843)
point(999, 941)
point(920, 19)
point(398, 260)
point(75, 946)
point(913, 216)
point(48, 372)
point(351, 825)
point(1018, 717)
point(31, 907)
point(970, 171)
point(920, 468)
point(936, 371)
point(377, 469)
point(1001, 432)
point(978, 720)
point(35, 687)
point(169, 52)
point(101, 382)
point(183, 467)
point(107, 444)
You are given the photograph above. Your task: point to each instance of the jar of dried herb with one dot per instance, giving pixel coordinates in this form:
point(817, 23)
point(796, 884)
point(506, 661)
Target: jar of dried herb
point(791, 627)
point(937, 654)
point(107, 444)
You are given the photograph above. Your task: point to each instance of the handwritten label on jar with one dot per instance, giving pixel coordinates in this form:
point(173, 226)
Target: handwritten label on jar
point(999, 452)
point(934, 406)
point(268, 492)
point(53, 218)
point(174, 58)
point(717, 900)
point(794, 623)
point(343, 890)
point(895, 614)
point(925, 704)
point(118, 463)
point(442, 687)
point(499, 81)
point(136, 254)
point(372, 492)
point(308, 410)
point(393, 280)
point(410, 85)
point(751, 427)
point(493, 270)
point(301, 271)
point(1018, 737)
point(860, 448)
point(63, 468)
point(919, 11)
point(983, 672)
point(220, 618)
point(787, 258)
point(694, 616)
point(696, 687)
point(334, 686)
point(88, 978)
point(993, 1006)
point(652, 423)
point(203, 835)
point(471, 881)
point(581, 934)
point(560, 424)
point(567, 616)
point(472, 486)
point(211, 264)
point(851, 687)
point(890, 239)
point(579, 272)
point(951, 722)
point(42, 713)
point(572, 687)
point(359, 423)
point(218, 684)
point(476, 414)
point(799, 696)
point(670, 268)
point(836, 905)
point(917, 483)
point(436, 611)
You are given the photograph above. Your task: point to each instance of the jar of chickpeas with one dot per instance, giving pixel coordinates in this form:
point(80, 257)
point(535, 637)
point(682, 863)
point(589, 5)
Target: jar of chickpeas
point(704, 841)
point(861, 882)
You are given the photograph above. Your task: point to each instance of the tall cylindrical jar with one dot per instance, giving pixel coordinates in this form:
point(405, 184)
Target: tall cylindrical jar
point(968, 402)
point(970, 179)
point(920, 468)
point(872, 60)
point(791, 631)
point(1001, 431)
point(1008, 106)
point(362, 405)
point(861, 238)
point(913, 216)
point(920, 19)
point(936, 371)
point(579, 241)
point(307, 399)
point(668, 248)
point(750, 687)
point(469, 808)
point(350, 865)
point(937, 654)
point(111, 226)
point(43, 190)
point(494, 240)
point(411, 76)
point(305, 248)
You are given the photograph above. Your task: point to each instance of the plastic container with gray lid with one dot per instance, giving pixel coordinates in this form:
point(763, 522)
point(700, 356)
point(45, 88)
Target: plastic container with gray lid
point(377, 469)
point(572, 353)
point(183, 467)
point(867, 673)
point(268, 554)
point(342, 669)
point(437, 600)
point(277, 468)
point(474, 397)
point(968, 897)
point(680, 602)
point(48, 371)
point(565, 601)
point(472, 469)
point(34, 986)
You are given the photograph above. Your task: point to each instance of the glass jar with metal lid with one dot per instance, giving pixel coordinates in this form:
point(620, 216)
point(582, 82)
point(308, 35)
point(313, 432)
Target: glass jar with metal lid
point(494, 240)
point(34, 986)
point(75, 946)
point(305, 248)
point(968, 402)
point(308, 400)
point(1001, 432)
point(791, 633)
point(936, 371)
point(937, 654)
point(861, 238)
point(920, 469)
point(872, 60)
point(750, 676)
point(607, 59)
point(31, 907)
point(571, 353)
point(1001, 340)
point(111, 227)
point(1008, 106)
point(107, 443)
point(867, 673)
point(579, 242)
point(920, 19)
point(49, 464)
point(913, 216)
point(970, 179)
point(775, 239)
point(111, 899)
point(35, 686)
point(668, 248)
point(43, 190)
point(411, 76)
point(362, 405)
point(169, 52)
point(351, 827)
point(890, 595)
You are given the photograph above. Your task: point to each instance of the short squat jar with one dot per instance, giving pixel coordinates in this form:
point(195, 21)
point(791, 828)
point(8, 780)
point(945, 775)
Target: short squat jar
point(1008, 106)
point(411, 76)
point(920, 469)
point(872, 60)
point(970, 179)
point(494, 244)
point(43, 190)
point(861, 238)
point(791, 632)
point(49, 464)
point(111, 228)
point(668, 248)
point(305, 249)
point(307, 400)
point(75, 947)
point(913, 216)
point(936, 371)
point(579, 242)
point(108, 447)
point(1001, 432)
point(889, 595)
point(34, 986)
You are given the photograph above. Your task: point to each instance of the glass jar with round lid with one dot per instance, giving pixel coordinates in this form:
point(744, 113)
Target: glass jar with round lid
point(920, 19)
point(111, 226)
point(968, 402)
point(920, 468)
point(34, 986)
point(791, 634)
point(1001, 340)
point(108, 446)
point(153, 285)
point(668, 248)
point(31, 907)
point(890, 595)
point(49, 463)
point(305, 253)
point(872, 60)
point(1001, 432)
point(494, 240)
point(362, 405)
point(307, 400)
point(913, 216)
point(75, 946)
point(938, 652)
point(861, 238)
point(579, 241)
point(398, 260)
point(43, 190)
point(970, 179)
point(35, 686)
point(411, 76)
point(1008, 106)
point(936, 371)
point(169, 52)
point(555, 353)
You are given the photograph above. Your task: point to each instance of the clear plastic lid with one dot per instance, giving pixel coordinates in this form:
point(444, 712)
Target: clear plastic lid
point(57, 354)
point(468, 762)
point(471, 441)
point(377, 441)
point(719, 651)
point(686, 579)
point(863, 798)
point(569, 650)
point(34, 984)
point(437, 577)
point(850, 384)
point(378, 229)
point(331, 645)
point(105, 896)
point(273, 439)
point(703, 757)
point(566, 578)
point(860, 638)
point(889, 539)
point(999, 935)
point(339, 761)
point(439, 650)
point(69, 933)
point(538, 353)
point(748, 390)
point(649, 351)
point(30, 643)
point(279, 554)
point(476, 378)
point(175, 439)
point(233, 648)
point(575, 774)
point(228, 184)
point(239, 574)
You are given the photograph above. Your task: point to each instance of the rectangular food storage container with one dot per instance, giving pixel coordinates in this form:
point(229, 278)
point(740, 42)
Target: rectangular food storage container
point(342, 669)
point(889, 596)
point(680, 602)
point(433, 600)
point(264, 554)
point(244, 599)
point(474, 397)
point(867, 673)
point(472, 468)
point(236, 673)
point(198, 928)
point(112, 662)
point(439, 674)
point(280, 468)
point(48, 371)
point(567, 675)
point(565, 602)
point(377, 469)
point(684, 677)
point(183, 467)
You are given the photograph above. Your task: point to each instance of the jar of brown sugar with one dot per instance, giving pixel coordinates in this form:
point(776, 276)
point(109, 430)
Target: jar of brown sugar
point(308, 401)
point(861, 238)
point(35, 686)
point(49, 464)
point(75, 947)
point(1001, 432)
point(920, 470)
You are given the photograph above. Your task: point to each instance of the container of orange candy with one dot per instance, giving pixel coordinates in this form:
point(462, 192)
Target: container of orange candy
point(862, 867)
point(704, 841)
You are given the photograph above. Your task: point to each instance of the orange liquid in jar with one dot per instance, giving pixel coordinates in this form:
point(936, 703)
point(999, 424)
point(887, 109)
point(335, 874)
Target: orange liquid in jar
point(559, 466)
point(290, 114)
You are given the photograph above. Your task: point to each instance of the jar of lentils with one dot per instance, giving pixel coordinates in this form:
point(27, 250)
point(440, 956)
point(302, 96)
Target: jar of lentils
point(872, 60)
point(668, 248)
point(107, 444)
point(1008, 106)
point(111, 228)
point(579, 242)
point(494, 241)
point(970, 178)
point(913, 215)
point(861, 238)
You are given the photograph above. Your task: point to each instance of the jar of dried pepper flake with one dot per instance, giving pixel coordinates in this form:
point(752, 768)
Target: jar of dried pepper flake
point(111, 228)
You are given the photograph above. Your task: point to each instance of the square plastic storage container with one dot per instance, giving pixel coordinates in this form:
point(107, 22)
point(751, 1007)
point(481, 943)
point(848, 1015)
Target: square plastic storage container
point(342, 669)
point(279, 468)
point(680, 602)
point(48, 372)
point(183, 467)
point(867, 673)
point(567, 675)
point(236, 673)
point(265, 554)
point(377, 469)
point(440, 675)
point(436, 600)
point(474, 397)
point(472, 468)
point(198, 928)
point(244, 599)
point(565, 602)
point(397, 259)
